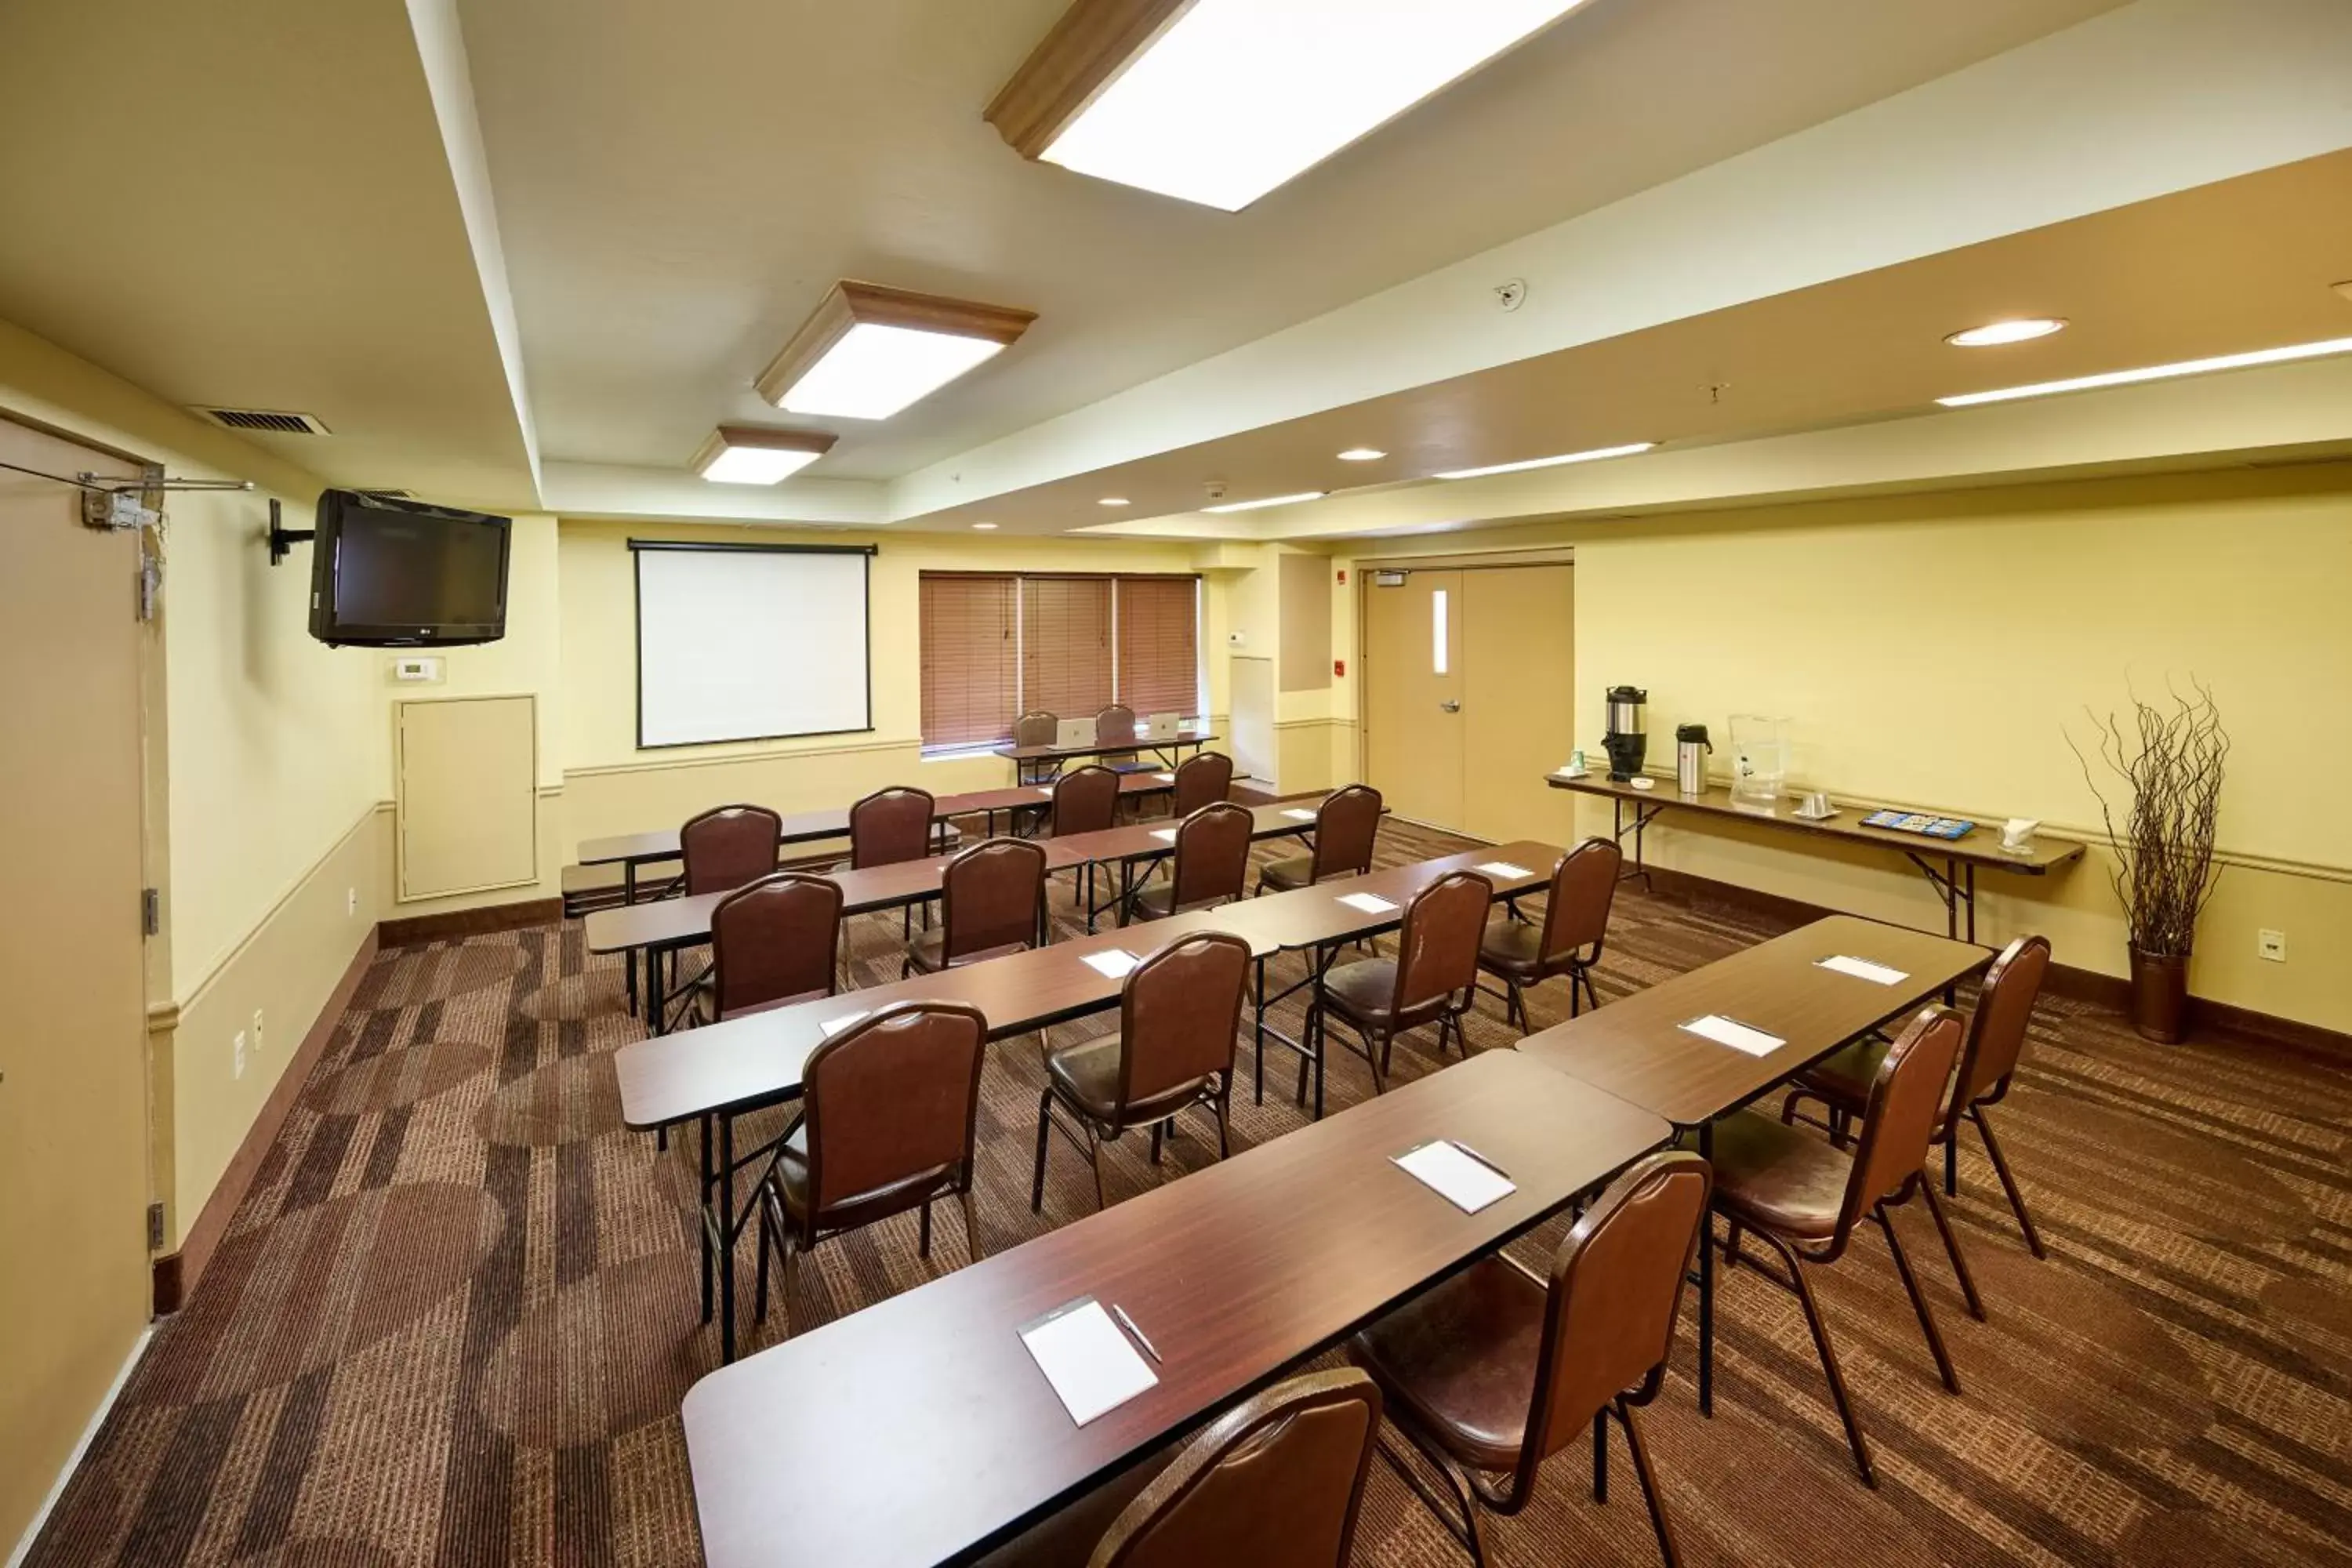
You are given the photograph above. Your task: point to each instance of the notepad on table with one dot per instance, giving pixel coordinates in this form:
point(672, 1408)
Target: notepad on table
point(833, 1027)
point(1092, 1366)
point(1862, 969)
point(1463, 1180)
point(1298, 813)
point(1503, 871)
point(1371, 903)
point(1165, 778)
point(1112, 964)
point(1731, 1032)
point(1166, 833)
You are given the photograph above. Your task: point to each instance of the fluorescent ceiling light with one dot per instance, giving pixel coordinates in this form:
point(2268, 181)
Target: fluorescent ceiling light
point(1362, 454)
point(868, 352)
point(1592, 457)
point(2154, 373)
point(1112, 500)
point(747, 455)
point(1219, 101)
point(983, 526)
point(2023, 331)
point(1269, 501)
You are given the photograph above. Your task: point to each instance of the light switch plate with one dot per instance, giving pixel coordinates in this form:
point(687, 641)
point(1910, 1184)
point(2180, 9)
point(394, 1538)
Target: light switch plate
point(2271, 944)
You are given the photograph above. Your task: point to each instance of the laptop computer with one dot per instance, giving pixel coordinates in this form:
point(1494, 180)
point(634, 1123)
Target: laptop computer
point(1072, 734)
point(1160, 727)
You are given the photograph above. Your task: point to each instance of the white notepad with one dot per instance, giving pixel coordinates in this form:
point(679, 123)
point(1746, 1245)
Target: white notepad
point(1166, 833)
point(1297, 813)
point(1503, 871)
point(1467, 1182)
point(1112, 964)
point(1092, 1366)
point(1165, 778)
point(1862, 969)
point(1371, 903)
point(833, 1027)
point(1731, 1032)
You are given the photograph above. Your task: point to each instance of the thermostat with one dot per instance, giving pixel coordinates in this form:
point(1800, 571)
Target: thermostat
point(417, 670)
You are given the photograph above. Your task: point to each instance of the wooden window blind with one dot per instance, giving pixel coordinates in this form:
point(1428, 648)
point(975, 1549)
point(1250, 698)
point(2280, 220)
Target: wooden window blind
point(1065, 651)
point(971, 690)
point(1159, 656)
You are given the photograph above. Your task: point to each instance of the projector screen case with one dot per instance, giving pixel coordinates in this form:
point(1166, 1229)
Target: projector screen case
point(751, 642)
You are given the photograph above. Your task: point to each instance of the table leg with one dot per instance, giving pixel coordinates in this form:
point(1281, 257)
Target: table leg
point(726, 1237)
point(629, 896)
point(710, 1259)
point(1257, 1087)
point(1706, 1288)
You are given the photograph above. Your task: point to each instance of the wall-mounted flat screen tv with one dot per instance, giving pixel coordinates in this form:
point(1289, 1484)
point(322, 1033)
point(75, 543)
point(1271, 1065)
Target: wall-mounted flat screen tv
point(388, 573)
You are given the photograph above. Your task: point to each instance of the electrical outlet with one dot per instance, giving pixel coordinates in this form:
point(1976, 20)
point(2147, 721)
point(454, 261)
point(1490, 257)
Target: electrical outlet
point(351, 901)
point(2271, 944)
point(257, 1031)
point(236, 1053)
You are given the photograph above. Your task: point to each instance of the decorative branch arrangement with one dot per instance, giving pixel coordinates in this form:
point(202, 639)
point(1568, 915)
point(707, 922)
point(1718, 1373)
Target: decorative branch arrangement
point(2171, 764)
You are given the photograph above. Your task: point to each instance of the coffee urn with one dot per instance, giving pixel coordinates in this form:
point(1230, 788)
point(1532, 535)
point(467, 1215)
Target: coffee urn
point(1627, 739)
point(1691, 749)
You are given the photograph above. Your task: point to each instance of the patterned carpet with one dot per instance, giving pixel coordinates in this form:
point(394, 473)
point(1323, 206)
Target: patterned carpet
point(453, 1321)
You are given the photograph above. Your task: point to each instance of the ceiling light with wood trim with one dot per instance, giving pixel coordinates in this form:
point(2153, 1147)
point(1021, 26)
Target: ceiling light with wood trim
point(1219, 101)
point(868, 352)
point(748, 455)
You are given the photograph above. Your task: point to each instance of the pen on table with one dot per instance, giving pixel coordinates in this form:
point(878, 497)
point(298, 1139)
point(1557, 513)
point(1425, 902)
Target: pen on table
point(1129, 1323)
point(1477, 1156)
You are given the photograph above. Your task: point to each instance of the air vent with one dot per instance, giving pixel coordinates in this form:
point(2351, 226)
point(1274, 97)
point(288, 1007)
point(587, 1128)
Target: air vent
point(390, 495)
point(272, 421)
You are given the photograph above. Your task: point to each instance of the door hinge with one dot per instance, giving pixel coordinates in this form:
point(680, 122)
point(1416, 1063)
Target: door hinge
point(150, 585)
point(151, 911)
point(154, 1227)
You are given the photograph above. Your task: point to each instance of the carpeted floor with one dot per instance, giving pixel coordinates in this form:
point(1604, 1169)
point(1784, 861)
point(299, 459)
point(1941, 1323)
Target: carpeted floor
point(453, 1321)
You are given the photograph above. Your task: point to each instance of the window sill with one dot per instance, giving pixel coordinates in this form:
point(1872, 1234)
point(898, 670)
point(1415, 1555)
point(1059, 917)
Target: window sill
point(959, 753)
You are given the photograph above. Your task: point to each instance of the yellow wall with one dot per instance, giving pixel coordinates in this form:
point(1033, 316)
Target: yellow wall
point(1937, 650)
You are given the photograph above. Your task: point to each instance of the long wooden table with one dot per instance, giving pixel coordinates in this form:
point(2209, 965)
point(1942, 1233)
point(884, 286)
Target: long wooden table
point(1048, 758)
point(648, 931)
point(1637, 1049)
point(918, 1431)
point(1955, 882)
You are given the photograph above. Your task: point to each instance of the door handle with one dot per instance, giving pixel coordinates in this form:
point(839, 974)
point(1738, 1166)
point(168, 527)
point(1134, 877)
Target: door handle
point(1451, 705)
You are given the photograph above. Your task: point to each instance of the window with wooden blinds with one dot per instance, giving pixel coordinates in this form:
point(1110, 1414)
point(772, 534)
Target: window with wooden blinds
point(970, 671)
point(1066, 648)
point(1159, 656)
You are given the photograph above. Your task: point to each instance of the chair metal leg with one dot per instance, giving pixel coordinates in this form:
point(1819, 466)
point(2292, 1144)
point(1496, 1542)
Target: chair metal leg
point(2007, 1182)
point(1094, 1154)
point(1952, 1248)
point(970, 1221)
point(1157, 1129)
point(1600, 1455)
point(759, 1227)
point(1919, 1301)
point(1951, 1167)
point(1463, 1502)
point(1037, 1179)
point(923, 1240)
point(1829, 1357)
point(1225, 1118)
point(1649, 1486)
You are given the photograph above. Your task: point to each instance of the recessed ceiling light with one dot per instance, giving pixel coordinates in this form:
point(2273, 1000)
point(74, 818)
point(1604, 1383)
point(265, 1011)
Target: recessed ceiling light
point(1267, 500)
point(1362, 454)
point(1594, 456)
point(984, 527)
point(2023, 331)
point(747, 455)
point(1219, 101)
point(868, 352)
point(1112, 500)
point(2154, 373)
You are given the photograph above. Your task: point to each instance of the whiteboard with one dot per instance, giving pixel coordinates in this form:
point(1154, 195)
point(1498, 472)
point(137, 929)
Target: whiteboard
point(737, 644)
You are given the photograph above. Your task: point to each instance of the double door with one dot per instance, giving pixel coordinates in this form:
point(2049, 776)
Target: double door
point(1469, 683)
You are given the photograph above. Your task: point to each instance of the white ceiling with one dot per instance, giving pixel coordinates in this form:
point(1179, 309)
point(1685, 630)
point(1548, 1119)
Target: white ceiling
point(680, 183)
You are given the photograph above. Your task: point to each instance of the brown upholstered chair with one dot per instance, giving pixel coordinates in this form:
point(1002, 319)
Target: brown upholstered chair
point(729, 846)
point(1115, 727)
point(1988, 1062)
point(1575, 919)
point(1431, 980)
point(890, 826)
point(1180, 1013)
point(1085, 800)
point(1495, 1370)
point(774, 942)
point(1804, 1196)
point(1210, 865)
point(1201, 779)
point(890, 1107)
point(991, 902)
point(1345, 825)
point(1034, 728)
point(1273, 1483)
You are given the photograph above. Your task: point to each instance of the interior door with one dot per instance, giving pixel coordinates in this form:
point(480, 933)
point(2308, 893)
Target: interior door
point(74, 1280)
point(1413, 695)
point(1518, 664)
